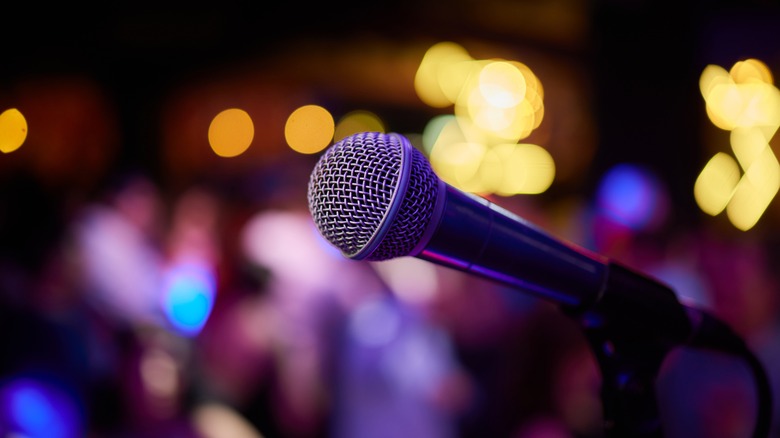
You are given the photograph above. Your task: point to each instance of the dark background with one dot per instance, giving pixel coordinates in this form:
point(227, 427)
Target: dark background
point(140, 54)
point(145, 68)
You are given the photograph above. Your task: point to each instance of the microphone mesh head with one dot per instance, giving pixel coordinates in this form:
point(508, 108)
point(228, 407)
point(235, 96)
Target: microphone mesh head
point(355, 185)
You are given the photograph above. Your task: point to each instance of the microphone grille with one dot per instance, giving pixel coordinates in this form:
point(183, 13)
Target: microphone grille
point(355, 201)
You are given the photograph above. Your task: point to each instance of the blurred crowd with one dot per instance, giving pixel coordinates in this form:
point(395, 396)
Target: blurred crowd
point(140, 313)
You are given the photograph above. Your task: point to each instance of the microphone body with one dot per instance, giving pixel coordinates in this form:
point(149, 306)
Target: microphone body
point(474, 235)
point(375, 197)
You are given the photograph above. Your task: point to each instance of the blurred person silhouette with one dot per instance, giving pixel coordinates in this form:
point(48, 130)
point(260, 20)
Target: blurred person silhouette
point(398, 374)
point(702, 392)
point(147, 282)
point(234, 369)
point(264, 353)
point(323, 348)
point(118, 239)
point(532, 373)
point(71, 352)
point(43, 361)
point(712, 394)
point(115, 241)
point(530, 368)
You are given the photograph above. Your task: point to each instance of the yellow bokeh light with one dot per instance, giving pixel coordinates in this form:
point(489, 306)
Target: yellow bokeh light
point(533, 84)
point(751, 70)
point(534, 93)
point(528, 169)
point(457, 163)
point(497, 101)
point(490, 173)
point(744, 101)
point(13, 130)
point(744, 105)
point(231, 132)
point(499, 124)
point(748, 145)
point(754, 191)
point(455, 76)
point(741, 97)
point(715, 185)
point(441, 67)
point(725, 103)
point(356, 122)
point(485, 115)
point(454, 129)
point(761, 105)
point(716, 119)
point(496, 104)
point(711, 76)
point(501, 84)
point(309, 129)
point(765, 171)
point(534, 100)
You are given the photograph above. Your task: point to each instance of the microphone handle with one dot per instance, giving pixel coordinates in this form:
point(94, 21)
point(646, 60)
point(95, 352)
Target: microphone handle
point(506, 248)
point(631, 319)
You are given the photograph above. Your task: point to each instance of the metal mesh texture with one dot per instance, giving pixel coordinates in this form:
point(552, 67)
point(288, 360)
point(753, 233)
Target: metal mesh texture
point(353, 186)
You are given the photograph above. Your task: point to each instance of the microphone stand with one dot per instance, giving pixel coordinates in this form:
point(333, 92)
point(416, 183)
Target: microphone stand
point(631, 328)
point(629, 368)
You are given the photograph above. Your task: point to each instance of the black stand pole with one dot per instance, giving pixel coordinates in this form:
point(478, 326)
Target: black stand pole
point(629, 371)
point(631, 328)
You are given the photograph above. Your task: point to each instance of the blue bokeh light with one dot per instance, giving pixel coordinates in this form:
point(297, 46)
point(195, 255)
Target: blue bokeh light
point(33, 408)
point(630, 195)
point(188, 297)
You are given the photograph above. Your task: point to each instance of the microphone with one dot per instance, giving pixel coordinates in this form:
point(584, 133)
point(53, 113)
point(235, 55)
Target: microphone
point(375, 197)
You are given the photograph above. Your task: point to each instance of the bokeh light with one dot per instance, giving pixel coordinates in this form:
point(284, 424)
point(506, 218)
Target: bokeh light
point(741, 97)
point(716, 183)
point(225, 313)
point(457, 163)
point(754, 191)
point(440, 74)
point(433, 129)
point(502, 123)
point(35, 408)
point(188, 296)
point(497, 103)
point(751, 70)
point(217, 420)
point(356, 122)
point(502, 84)
point(748, 144)
point(744, 101)
point(231, 132)
point(744, 105)
point(631, 195)
point(309, 129)
point(528, 169)
point(13, 130)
